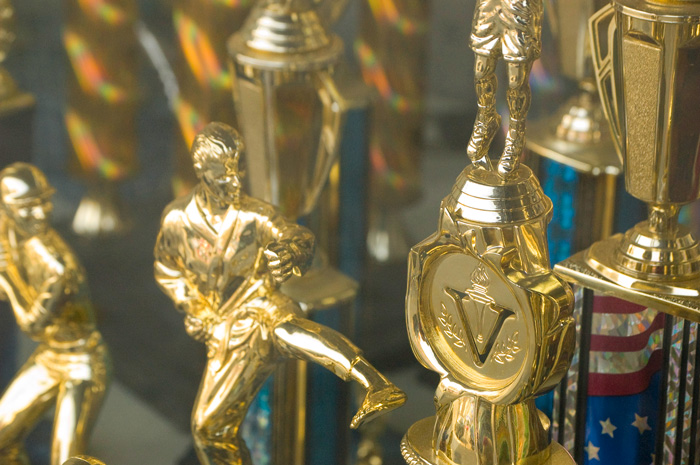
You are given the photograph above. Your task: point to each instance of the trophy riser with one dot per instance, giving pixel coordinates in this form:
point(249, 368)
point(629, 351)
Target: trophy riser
point(577, 270)
point(417, 449)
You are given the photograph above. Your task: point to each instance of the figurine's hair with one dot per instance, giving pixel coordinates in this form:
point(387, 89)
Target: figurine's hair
point(216, 140)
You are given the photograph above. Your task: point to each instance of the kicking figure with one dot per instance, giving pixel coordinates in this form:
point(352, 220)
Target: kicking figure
point(220, 256)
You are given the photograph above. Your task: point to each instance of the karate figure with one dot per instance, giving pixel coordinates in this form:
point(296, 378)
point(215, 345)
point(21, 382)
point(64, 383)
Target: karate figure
point(512, 30)
point(220, 256)
point(41, 277)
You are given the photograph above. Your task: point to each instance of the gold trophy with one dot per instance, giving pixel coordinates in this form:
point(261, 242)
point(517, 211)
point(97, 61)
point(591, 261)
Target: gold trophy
point(646, 54)
point(15, 106)
point(483, 308)
point(46, 287)
point(577, 135)
point(486, 312)
point(221, 256)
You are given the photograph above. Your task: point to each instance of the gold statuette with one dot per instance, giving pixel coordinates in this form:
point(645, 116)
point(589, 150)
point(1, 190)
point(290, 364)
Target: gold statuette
point(46, 287)
point(511, 30)
point(221, 256)
point(486, 312)
point(647, 56)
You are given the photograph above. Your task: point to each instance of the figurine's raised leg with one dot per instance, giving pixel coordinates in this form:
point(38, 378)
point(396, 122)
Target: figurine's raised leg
point(76, 410)
point(488, 121)
point(26, 399)
point(306, 340)
point(519, 97)
point(224, 396)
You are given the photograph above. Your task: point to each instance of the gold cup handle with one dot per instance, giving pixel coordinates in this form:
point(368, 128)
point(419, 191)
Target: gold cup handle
point(603, 38)
point(335, 108)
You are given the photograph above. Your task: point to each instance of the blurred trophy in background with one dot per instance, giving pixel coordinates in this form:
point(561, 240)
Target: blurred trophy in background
point(204, 79)
point(101, 110)
point(291, 114)
point(392, 50)
point(577, 135)
point(16, 107)
point(647, 63)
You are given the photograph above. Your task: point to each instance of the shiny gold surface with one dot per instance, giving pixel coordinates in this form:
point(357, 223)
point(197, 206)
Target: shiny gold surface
point(644, 55)
point(220, 256)
point(486, 312)
point(511, 31)
point(46, 287)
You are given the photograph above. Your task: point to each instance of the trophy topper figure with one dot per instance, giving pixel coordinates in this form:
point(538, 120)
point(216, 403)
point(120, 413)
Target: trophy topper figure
point(511, 30)
point(220, 256)
point(46, 286)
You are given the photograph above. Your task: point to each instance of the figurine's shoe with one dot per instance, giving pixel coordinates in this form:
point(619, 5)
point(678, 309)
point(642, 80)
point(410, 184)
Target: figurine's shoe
point(485, 129)
point(510, 158)
point(378, 402)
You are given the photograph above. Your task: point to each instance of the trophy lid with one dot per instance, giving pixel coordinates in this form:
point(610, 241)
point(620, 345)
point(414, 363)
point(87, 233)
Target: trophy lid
point(483, 197)
point(665, 11)
point(285, 33)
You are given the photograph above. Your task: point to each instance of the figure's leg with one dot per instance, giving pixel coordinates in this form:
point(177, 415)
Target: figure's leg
point(488, 121)
point(76, 410)
point(26, 399)
point(222, 403)
point(519, 97)
point(306, 340)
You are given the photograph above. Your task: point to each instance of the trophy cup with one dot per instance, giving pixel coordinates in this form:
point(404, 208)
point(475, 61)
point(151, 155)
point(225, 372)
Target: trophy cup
point(291, 113)
point(16, 107)
point(645, 62)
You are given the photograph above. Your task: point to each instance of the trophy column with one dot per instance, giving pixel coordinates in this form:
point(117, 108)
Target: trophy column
point(646, 55)
point(100, 114)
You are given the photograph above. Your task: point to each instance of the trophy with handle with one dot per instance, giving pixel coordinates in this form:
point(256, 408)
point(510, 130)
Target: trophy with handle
point(647, 63)
point(646, 56)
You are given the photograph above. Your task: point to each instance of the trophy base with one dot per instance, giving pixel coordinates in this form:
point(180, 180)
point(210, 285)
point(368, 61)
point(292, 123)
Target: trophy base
point(577, 269)
point(417, 448)
point(100, 214)
point(576, 137)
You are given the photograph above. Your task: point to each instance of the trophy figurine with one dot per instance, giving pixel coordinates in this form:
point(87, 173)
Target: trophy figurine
point(483, 308)
point(46, 287)
point(221, 256)
point(577, 135)
point(648, 81)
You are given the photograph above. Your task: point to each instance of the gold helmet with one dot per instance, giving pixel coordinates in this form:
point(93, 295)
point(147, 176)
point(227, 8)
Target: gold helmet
point(22, 183)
